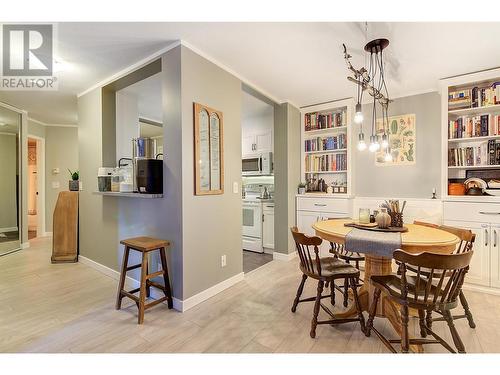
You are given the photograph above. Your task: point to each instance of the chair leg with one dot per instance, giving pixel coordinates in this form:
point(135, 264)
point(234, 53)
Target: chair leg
point(123, 274)
point(428, 319)
point(332, 293)
point(148, 287)
point(354, 286)
point(346, 292)
point(405, 339)
point(317, 304)
point(373, 311)
point(468, 314)
point(142, 292)
point(299, 293)
point(166, 279)
point(421, 322)
point(453, 330)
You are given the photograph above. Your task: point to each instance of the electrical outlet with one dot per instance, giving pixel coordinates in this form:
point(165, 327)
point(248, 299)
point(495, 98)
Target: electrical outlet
point(223, 261)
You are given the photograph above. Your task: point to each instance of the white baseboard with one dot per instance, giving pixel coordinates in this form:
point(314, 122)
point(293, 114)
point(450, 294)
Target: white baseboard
point(210, 292)
point(179, 305)
point(284, 257)
point(268, 251)
point(25, 245)
point(481, 289)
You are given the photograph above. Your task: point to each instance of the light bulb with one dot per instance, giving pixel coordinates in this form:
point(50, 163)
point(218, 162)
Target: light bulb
point(358, 116)
point(385, 142)
point(361, 142)
point(374, 145)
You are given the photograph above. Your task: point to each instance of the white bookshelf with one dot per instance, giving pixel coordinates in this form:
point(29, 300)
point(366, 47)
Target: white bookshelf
point(346, 105)
point(457, 83)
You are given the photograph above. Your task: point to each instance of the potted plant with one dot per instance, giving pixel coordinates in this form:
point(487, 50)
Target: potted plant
point(74, 184)
point(302, 188)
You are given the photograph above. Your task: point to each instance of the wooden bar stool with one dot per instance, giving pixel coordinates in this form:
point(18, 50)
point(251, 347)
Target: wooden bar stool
point(144, 245)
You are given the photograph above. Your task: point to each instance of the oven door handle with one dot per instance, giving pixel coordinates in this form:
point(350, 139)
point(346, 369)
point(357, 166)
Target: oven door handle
point(260, 164)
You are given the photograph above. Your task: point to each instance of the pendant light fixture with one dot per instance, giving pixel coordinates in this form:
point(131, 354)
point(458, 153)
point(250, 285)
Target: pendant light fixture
point(373, 81)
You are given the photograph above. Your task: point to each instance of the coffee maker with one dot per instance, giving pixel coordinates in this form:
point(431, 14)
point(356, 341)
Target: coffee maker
point(148, 171)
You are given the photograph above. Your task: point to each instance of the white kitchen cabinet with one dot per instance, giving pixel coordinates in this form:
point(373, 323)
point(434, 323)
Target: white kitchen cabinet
point(483, 218)
point(311, 209)
point(257, 143)
point(495, 256)
point(247, 145)
point(268, 226)
point(480, 270)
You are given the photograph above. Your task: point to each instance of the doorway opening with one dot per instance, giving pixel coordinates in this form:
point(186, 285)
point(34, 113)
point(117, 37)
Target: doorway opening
point(257, 141)
point(36, 182)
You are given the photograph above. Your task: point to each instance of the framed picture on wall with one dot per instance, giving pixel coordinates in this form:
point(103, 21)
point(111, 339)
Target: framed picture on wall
point(208, 150)
point(402, 139)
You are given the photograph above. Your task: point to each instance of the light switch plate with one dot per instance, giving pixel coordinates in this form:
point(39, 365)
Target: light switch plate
point(235, 188)
point(55, 171)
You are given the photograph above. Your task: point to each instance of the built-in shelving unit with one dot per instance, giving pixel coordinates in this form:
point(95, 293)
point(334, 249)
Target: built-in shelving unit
point(326, 140)
point(470, 107)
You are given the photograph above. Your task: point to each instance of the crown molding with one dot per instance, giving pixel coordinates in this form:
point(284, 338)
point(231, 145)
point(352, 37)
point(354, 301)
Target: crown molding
point(51, 125)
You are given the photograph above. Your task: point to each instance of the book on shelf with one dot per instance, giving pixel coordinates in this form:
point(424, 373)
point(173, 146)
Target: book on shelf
point(326, 163)
point(474, 97)
point(486, 153)
point(474, 126)
point(326, 143)
point(317, 121)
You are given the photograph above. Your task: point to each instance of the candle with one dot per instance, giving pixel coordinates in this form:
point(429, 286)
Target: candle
point(364, 215)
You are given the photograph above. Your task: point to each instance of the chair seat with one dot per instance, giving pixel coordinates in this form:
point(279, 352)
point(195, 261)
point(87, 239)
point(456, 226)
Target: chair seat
point(353, 257)
point(392, 284)
point(332, 268)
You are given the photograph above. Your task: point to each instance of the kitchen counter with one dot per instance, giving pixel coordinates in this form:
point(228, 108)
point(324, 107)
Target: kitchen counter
point(128, 195)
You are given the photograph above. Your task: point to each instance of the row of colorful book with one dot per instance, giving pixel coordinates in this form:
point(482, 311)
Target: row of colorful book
point(486, 153)
point(474, 126)
point(326, 163)
point(326, 143)
point(315, 121)
point(474, 97)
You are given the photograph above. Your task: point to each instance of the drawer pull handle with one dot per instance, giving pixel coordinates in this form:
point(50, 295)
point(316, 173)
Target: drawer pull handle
point(489, 213)
point(320, 204)
point(486, 237)
point(270, 206)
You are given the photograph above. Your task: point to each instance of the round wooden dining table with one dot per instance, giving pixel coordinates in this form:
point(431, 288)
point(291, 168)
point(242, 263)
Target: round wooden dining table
point(416, 240)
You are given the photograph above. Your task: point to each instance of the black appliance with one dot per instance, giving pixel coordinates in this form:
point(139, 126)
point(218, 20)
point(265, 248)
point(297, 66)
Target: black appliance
point(149, 176)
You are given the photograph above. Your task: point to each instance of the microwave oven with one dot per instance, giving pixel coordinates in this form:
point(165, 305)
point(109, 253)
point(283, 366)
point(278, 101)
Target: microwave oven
point(257, 165)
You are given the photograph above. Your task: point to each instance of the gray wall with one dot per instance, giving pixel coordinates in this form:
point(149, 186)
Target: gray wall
point(415, 181)
point(287, 173)
point(211, 224)
point(61, 151)
point(8, 171)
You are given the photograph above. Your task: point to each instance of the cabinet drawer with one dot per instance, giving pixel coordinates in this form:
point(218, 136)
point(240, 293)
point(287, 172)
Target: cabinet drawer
point(471, 211)
point(323, 205)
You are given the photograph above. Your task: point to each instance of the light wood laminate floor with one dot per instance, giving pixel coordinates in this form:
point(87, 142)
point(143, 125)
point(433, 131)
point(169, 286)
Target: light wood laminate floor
point(70, 308)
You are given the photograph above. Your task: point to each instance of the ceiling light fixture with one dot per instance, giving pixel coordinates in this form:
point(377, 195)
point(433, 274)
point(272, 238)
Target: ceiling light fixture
point(373, 81)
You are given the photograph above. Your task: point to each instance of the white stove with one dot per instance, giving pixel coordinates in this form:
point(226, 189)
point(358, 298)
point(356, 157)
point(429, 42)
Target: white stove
point(252, 221)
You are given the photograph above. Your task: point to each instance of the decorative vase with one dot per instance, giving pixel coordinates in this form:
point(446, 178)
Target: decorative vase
point(383, 219)
point(302, 190)
point(74, 185)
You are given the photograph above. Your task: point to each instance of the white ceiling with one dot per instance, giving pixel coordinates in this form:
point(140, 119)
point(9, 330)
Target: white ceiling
point(298, 62)
point(148, 93)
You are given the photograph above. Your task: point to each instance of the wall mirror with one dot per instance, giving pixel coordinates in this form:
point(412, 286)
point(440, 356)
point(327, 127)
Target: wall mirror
point(208, 150)
point(10, 191)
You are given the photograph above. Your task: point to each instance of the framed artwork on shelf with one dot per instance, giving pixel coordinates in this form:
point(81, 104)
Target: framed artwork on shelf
point(208, 150)
point(402, 140)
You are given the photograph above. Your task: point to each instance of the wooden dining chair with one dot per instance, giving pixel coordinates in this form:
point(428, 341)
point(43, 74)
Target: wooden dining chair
point(466, 243)
point(436, 290)
point(339, 251)
point(325, 270)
